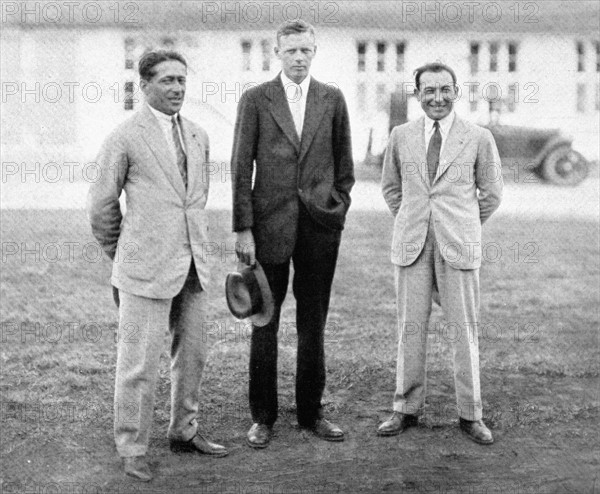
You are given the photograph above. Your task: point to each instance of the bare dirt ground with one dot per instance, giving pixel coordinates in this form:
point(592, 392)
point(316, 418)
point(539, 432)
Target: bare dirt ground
point(539, 369)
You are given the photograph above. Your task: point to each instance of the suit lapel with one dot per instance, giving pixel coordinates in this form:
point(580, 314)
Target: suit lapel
point(192, 150)
point(316, 106)
point(416, 144)
point(280, 109)
point(156, 141)
point(456, 141)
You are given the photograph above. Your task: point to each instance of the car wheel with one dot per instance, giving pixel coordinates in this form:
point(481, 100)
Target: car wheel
point(564, 166)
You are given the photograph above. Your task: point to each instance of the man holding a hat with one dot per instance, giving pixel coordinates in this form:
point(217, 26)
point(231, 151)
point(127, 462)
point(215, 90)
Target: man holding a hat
point(293, 133)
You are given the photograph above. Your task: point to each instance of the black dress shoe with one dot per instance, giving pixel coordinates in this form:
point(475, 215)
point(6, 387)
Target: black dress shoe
point(137, 467)
point(198, 444)
point(259, 436)
point(476, 430)
point(326, 430)
point(397, 423)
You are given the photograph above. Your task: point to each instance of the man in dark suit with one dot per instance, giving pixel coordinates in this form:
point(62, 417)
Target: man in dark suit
point(294, 133)
point(159, 159)
point(441, 180)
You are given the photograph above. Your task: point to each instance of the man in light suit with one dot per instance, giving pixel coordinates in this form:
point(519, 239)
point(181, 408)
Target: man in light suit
point(294, 133)
point(441, 180)
point(159, 159)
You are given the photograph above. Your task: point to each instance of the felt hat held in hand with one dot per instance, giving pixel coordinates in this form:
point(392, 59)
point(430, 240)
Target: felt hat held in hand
point(249, 295)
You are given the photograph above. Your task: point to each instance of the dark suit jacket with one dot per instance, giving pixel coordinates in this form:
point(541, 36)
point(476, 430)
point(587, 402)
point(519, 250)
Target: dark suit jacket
point(317, 170)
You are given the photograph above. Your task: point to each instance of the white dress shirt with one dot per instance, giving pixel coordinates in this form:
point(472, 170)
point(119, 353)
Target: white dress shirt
point(445, 124)
point(166, 124)
point(297, 104)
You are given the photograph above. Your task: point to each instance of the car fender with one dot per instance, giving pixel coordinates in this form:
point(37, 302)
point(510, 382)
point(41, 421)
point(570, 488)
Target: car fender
point(558, 140)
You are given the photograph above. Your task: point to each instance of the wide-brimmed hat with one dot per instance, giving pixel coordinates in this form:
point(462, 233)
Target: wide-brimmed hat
point(249, 295)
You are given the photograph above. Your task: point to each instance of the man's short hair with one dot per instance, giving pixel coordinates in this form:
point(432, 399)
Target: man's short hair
point(294, 27)
point(433, 67)
point(153, 58)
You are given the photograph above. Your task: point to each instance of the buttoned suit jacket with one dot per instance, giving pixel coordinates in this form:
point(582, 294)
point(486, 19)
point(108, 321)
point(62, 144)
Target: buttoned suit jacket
point(164, 225)
point(466, 190)
point(316, 169)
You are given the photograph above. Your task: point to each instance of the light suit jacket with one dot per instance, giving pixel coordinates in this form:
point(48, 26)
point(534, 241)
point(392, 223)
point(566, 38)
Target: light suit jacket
point(316, 169)
point(152, 244)
point(467, 189)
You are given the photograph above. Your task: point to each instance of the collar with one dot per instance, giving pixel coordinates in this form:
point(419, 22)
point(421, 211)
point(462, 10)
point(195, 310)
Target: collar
point(163, 117)
point(285, 80)
point(445, 123)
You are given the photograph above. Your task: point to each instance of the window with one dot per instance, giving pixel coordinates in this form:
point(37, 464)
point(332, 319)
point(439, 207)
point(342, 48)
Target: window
point(473, 98)
point(361, 49)
point(474, 58)
point(493, 57)
point(129, 48)
point(381, 56)
point(512, 57)
point(128, 99)
point(597, 56)
point(513, 97)
point(580, 57)
point(581, 98)
point(266, 55)
point(246, 48)
point(400, 56)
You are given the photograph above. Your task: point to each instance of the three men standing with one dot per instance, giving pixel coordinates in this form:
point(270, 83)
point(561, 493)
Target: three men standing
point(293, 133)
point(441, 180)
point(159, 159)
point(293, 173)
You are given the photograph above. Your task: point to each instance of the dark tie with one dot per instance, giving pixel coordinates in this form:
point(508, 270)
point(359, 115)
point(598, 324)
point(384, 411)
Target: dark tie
point(433, 151)
point(179, 152)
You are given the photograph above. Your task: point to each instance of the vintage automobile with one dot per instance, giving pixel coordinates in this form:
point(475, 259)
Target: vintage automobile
point(527, 154)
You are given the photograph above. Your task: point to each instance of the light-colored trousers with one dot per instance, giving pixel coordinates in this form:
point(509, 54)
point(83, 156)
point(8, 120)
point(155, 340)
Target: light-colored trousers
point(459, 297)
point(143, 324)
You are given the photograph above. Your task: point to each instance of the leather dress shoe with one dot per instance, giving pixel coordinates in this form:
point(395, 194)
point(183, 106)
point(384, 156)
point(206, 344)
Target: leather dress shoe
point(137, 467)
point(476, 430)
point(397, 423)
point(327, 430)
point(198, 444)
point(259, 435)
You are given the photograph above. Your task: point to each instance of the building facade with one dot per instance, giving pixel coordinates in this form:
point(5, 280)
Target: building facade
point(66, 83)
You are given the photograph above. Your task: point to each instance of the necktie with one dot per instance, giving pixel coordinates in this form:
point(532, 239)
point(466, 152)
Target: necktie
point(296, 106)
point(179, 152)
point(433, 151)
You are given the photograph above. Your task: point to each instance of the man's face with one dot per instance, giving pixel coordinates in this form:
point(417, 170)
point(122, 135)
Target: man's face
point(436, 93)
point(296, 52)
point(166, 90)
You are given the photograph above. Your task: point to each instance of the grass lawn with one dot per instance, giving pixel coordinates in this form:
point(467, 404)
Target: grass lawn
point(539, 370)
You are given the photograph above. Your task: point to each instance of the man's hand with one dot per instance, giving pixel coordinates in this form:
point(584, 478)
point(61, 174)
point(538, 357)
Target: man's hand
point(245, 248)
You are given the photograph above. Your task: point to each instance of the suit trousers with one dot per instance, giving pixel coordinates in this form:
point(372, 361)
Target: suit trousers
point(314, 259)
point(143, 324)
point(459, 297)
